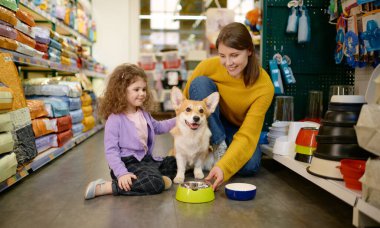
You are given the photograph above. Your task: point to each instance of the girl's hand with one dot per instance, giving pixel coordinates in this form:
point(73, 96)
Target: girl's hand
point(125, 181)
point(217, 175)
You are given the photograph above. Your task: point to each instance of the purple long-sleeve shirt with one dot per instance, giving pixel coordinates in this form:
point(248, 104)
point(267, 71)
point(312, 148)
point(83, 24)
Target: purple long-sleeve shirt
point(121, 139)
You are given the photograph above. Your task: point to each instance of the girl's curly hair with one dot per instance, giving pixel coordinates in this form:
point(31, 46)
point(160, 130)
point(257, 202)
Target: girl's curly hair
point(114, 98)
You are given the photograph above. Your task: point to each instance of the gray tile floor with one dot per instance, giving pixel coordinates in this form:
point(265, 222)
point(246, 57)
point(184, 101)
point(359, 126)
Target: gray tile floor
point(53, 197)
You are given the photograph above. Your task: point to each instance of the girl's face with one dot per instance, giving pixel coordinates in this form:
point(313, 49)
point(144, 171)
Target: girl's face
point(233, 60)
point(136, 94)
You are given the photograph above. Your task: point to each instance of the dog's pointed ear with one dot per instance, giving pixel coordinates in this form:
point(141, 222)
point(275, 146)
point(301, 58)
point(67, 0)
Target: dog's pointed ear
point(176, 97)
point(212, 101)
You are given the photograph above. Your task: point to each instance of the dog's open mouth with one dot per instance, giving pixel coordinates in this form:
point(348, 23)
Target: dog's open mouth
point(192, 126)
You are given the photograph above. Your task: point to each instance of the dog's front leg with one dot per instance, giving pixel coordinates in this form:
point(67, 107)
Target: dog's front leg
point(198, 173)
point(181, 168)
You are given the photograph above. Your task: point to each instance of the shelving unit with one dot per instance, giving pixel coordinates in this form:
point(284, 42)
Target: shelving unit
point(27, 64)
point(38, 64)
point(46, 157)
point(61, 28)
point(337, 188)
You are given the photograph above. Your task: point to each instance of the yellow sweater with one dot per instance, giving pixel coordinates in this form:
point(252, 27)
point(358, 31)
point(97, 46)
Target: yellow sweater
point(242, 106)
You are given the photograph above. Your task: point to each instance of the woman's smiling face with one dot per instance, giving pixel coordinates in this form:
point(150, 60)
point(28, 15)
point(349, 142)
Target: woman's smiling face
point(233, 60)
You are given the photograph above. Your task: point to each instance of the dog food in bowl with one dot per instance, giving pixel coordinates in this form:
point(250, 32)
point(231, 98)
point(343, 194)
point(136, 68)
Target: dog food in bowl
point(240, 191)
point(195, 192)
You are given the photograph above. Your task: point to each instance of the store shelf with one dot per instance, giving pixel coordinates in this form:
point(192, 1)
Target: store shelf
point(61, 28)
point(46, 157)
point(23, 172)
point(38, 63)
point(337, 188)
point(94, 74)
point(369, 210)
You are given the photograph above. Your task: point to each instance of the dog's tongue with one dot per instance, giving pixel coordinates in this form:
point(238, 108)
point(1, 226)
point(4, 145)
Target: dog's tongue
point(194, 126)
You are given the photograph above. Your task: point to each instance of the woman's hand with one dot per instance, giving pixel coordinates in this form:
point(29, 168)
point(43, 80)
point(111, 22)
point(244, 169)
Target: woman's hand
point(217, 175)
point(125, 181)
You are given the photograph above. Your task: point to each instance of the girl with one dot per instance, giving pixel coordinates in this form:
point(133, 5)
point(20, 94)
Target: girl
point(246, 92)
point(129, 138)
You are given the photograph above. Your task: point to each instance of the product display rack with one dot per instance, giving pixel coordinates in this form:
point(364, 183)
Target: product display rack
point(336, 188)
point(38, 64)
point(314, 68)
point(27, 64)
point(312, 63)
point(60, 27)
point(46, 157)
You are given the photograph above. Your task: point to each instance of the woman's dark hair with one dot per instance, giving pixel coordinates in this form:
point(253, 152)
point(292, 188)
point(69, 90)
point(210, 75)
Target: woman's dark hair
point(235, 35)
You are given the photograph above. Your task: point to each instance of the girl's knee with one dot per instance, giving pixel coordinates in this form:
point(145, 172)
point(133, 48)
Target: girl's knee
point(159, 185)
point(155, 184)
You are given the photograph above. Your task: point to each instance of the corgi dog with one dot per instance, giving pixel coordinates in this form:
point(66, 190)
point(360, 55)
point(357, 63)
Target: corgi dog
point(191, 133)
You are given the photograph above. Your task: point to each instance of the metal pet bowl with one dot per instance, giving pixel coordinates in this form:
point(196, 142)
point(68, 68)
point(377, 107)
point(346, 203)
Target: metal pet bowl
point(195, 192)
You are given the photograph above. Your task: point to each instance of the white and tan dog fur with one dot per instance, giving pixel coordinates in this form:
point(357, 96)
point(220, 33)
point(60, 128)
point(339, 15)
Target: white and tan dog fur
point(191, 133)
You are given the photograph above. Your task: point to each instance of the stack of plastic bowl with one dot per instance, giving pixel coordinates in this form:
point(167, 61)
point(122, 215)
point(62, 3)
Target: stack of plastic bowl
point(306, 144)
point(337, 138)
point(278, 129)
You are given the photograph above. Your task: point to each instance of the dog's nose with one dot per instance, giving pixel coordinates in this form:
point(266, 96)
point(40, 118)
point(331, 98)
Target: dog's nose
point(196, 118)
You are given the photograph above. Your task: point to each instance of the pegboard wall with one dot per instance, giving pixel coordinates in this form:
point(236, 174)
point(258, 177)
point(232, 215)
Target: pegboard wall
point(313, 63)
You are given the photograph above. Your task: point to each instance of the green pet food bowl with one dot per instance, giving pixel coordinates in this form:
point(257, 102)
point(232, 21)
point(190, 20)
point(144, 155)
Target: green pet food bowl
point(195, 192)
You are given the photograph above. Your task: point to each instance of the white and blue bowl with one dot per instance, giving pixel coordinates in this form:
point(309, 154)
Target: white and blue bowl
point(240, 191)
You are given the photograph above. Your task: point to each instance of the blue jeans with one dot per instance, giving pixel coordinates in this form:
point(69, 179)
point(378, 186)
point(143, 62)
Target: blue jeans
point(220, 127)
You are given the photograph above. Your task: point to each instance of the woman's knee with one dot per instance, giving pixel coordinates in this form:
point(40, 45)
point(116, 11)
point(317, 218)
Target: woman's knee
point(201, 87)
point(252, 167)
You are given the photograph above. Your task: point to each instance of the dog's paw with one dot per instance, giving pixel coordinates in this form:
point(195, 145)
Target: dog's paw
point(179, 180)
point(198, 174)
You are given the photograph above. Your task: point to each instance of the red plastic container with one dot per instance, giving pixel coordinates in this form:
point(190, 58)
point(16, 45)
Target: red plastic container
point(173, 64)
point(306, 137)
point(147, 66)
point(352, 183)
point(352, 168)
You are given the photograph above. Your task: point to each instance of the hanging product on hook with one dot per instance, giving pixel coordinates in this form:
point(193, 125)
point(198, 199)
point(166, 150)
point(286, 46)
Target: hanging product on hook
point(304, 30)
point(341, 25)
point(286, 71)
point(351, 43)
point(276, 77)
point(292, 25)
point(292, 21)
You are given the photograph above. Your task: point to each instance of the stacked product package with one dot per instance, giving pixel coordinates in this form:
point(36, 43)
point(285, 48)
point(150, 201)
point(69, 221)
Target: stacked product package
point(69, 51)
point(17, 145)
point(16, 30)
point(75, 14)
point(62, 103)
point(76, 112)
point(55, 47)
point(89, 119)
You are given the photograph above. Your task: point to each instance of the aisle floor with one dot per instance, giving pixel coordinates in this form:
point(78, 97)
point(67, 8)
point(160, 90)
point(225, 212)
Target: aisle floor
point(53, 197)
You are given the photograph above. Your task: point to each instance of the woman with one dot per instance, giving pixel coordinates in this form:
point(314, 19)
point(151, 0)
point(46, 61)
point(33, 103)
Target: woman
point(246, 92)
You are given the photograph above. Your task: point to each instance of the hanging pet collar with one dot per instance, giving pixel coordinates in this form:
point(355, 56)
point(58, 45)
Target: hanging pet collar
point(351, 43)
point(339, 40)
